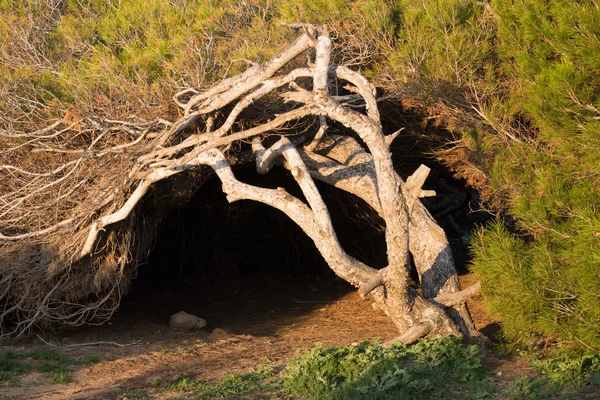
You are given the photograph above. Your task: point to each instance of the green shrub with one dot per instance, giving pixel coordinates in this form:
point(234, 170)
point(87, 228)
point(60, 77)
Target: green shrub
point(61, 374)
point(10, 368)
point(531, 389)
point(49, 362)
point(545, 279)
point(48, 354)
point(135, 394)
point(429, 369)
point(92, 358)
point(568, 369)
point(230, 386)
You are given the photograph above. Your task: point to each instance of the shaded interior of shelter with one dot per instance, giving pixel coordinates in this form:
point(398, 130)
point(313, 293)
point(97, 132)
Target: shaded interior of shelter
point(246, 267)
point(220, 260)
point(210, 239)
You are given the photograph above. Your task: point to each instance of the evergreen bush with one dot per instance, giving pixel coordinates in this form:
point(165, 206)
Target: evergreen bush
point(544, 275)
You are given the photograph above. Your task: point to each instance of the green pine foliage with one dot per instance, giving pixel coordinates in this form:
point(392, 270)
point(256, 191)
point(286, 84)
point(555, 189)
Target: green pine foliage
point(443, 46)
point(128, 57)
point(533, 291)
point(546, 280)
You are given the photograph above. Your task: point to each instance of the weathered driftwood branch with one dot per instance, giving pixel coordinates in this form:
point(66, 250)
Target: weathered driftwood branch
point(230, 89)
point(343, 163)
point(315, 222)
point(458, 298)
point(412, 334)
point(120, 215)
point(414, 183)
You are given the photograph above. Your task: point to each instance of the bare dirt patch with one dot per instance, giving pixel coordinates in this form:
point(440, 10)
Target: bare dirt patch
point(248, 319)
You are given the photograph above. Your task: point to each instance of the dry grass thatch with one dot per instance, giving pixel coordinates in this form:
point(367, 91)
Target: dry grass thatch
point(54, 184)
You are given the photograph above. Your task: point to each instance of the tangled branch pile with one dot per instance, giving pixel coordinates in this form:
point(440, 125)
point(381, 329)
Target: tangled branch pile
point(55, 183)
point(73, 230)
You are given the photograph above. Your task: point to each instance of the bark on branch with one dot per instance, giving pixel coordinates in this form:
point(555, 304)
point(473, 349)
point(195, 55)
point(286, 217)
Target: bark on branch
point(314, 222)
point(458, 298)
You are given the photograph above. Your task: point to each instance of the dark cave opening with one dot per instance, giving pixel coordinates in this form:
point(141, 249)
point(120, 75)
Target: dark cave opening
point(209, 239)
point(247, 267)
